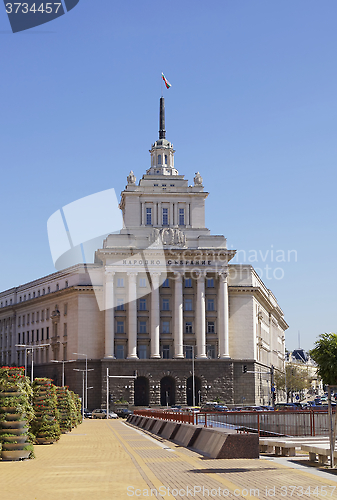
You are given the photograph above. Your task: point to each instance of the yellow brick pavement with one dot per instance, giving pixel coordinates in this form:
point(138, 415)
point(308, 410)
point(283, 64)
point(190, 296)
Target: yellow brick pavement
point(103, 460)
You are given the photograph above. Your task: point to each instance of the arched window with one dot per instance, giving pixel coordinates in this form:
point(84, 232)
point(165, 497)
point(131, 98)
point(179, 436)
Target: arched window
point(165, 159)
point(159, 160)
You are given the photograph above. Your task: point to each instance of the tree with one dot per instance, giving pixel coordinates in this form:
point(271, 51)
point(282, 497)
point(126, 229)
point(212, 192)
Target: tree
point(297, 379)
point(325, 356)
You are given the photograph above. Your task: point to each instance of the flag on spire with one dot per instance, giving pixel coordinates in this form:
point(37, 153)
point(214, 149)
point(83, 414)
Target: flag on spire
point(167, 83)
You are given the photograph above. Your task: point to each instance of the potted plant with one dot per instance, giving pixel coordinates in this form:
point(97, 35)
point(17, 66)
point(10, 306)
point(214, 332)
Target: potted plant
point(15, 414)
point(45, 425)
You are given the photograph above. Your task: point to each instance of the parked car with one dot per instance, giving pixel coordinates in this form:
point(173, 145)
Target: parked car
point(123, 412)
point(221, 408)
point(87, 413)
point(288, 406)
point(101, 413)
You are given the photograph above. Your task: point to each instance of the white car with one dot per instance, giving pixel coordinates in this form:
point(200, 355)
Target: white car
point(101, 413)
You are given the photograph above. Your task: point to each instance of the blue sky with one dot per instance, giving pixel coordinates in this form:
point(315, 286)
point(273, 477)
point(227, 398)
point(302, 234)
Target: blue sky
point(252, 107)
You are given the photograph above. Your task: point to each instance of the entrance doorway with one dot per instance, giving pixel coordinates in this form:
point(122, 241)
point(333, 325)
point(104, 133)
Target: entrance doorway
point(167, 391)
point(189, 391)
point(142, 392)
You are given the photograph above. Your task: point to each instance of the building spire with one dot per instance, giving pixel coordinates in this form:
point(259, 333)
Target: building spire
point(162, 131)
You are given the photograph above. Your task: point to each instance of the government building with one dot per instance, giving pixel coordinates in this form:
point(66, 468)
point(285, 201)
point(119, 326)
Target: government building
point(160, 307)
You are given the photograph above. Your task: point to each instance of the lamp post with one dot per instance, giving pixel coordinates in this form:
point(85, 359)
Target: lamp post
point(28, 348)
point(69, 361)
point(193, 373)
point(86, 376)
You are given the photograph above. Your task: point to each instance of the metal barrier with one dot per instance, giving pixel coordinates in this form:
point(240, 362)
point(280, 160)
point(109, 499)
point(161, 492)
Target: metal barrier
point(265, 423)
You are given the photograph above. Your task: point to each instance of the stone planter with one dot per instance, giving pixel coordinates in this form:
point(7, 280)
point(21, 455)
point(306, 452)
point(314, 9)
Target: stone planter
point(45, 440)
point(15, 455)
point(13, 446)
point(7, 409)
point(12, 416)
point(14, 424)
point(19, 439)
point(17, 432)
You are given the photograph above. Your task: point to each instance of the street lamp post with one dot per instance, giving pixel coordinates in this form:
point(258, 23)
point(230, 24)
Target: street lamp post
point(31, 348)
point(86, 376)
point(69, 361)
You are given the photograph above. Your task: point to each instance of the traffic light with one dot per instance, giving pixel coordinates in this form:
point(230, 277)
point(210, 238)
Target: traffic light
point(244, 368)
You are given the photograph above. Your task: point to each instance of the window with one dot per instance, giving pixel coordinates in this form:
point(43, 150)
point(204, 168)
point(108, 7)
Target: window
point(47, 333)
point(43, 291)
point(19, 321)
point(24, 297)
point(188, 283)
point(210, 304)
point(142, 304)
point(181, 216)
point(165, 327)
point(120, 305)
point(23, 320)
point(37, 335)
point(20, 300)
point(166, 283)
point(210, 283)
point(66, 284)
point(171, 185)
point(47, 314)
point(159, 160)
point(142, 327)
point(155, 184)
point(188, 326)
point(42, 315)
point(166, 351)
point(42, 333)
point(166, 305)
point(65, 310)
point(142, 282)
point(120, 326)
point(211, 351)
point(165, 159)
point(37, 317)
point(142, 351)
point(57, 286)
point(120, 282)
point(33, 295)
point(27, 319)
point(32, 336)
point(210, 327)
point(19, 341)
point(11, 301)
point(188, 304)
point(149, 216)
point(28, 297)
point(49, 289)
point(165, 216)
point(119, 352)
point(65, 329)
point(189, 352)
point(33, 317)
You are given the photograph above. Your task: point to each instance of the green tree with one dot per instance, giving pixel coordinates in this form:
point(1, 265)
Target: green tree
point(325, 356)
point(297, 379)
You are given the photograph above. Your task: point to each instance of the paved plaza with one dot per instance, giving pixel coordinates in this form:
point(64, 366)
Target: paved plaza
point(103, 460)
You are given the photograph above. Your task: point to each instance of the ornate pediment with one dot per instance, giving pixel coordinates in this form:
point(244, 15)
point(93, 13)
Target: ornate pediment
point(168, 236)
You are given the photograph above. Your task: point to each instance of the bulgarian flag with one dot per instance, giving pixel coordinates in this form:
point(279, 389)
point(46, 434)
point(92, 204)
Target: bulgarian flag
point(167, 83)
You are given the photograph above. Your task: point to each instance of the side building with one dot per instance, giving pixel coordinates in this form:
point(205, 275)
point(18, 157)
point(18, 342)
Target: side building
point(162, 303)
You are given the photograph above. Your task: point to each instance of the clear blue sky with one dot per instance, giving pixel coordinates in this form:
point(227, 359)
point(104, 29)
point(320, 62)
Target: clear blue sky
point(252, 107)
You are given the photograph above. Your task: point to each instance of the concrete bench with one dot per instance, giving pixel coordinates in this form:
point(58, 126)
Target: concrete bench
point(286, 447)
point(318, 451)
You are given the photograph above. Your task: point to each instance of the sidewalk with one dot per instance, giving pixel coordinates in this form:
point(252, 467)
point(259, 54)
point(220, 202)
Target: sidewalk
point(103, 460)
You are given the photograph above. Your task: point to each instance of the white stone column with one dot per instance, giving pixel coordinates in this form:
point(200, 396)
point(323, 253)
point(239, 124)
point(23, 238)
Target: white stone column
point(155, 316)
point(176, 220)
point(132, 316)
point(160, 215)
point(171, 215)
point(109, 315)
point(143, 214)
point(223, 316)
point(178, 317)
point(187, 221)
point(200, 315)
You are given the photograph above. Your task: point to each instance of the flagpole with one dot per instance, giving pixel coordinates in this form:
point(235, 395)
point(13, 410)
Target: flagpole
point(161, 81)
